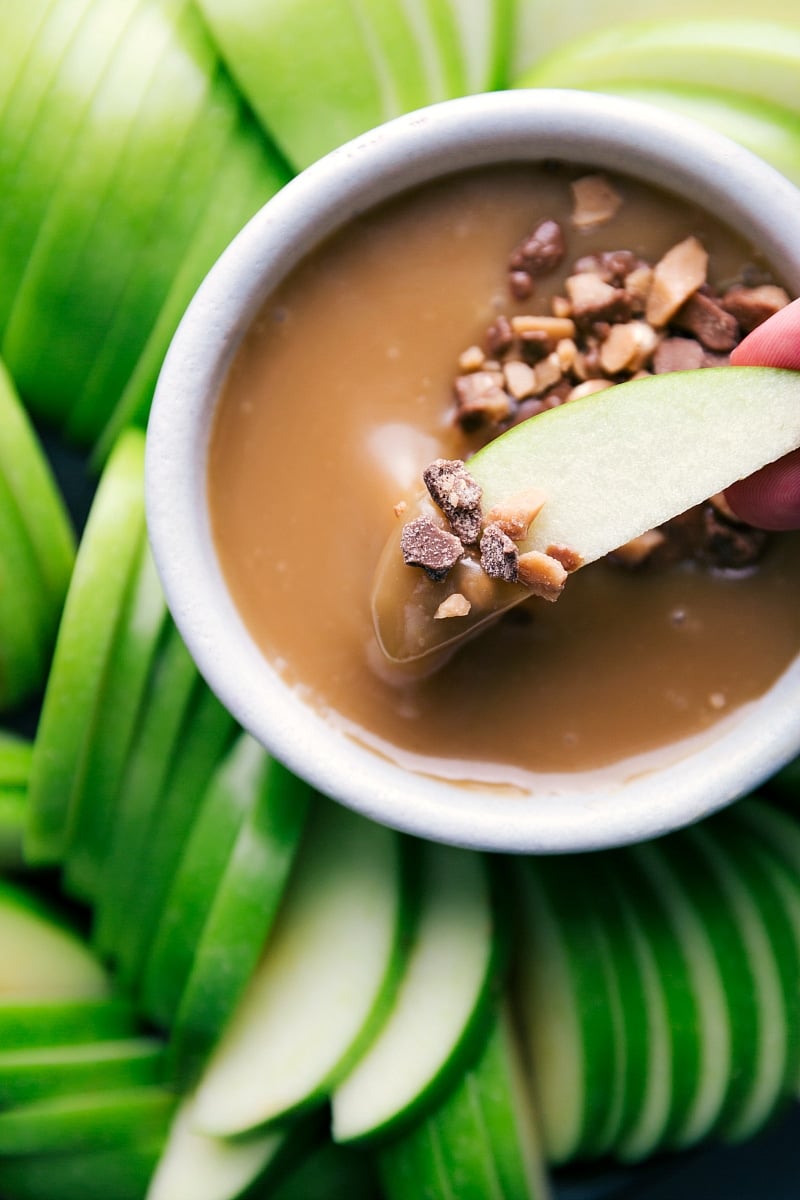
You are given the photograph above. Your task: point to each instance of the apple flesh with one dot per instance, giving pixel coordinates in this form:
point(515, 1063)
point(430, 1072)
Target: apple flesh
point(611, 466)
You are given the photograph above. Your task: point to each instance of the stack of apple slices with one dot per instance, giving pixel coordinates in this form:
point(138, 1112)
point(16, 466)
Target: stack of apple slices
point(129, 163)
point(15, 768)
point(754, 63)
point(83, 1104)
point(37, 552)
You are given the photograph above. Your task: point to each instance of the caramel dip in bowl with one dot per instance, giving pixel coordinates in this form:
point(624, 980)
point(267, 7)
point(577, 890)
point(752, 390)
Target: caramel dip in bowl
point(337, 348)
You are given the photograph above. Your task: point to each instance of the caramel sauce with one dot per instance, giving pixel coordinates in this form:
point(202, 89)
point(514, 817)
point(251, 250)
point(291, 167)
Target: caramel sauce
point(341, 394)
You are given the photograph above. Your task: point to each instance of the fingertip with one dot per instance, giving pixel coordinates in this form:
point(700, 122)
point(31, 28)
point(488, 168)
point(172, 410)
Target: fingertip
point(776, 343)
point(769, 499)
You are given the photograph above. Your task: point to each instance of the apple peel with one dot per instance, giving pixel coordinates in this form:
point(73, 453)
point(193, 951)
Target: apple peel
point(612, 465)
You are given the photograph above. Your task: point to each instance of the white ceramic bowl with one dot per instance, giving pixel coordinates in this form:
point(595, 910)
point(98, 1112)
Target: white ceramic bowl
point(571, 812)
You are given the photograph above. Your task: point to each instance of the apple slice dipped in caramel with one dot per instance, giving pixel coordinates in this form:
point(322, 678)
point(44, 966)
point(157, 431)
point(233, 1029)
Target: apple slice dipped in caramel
point(609, 467)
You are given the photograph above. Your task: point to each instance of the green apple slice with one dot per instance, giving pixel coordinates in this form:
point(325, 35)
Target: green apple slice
point(27, 1025)
point(750, 56)
point(767, 937)
point(766, 130)
point(30, 480)
point(240, 916)
point(484, 28)
point(565, 1006)
point(245, 179)
point(204, 742)
point(246, 779)
point(121, 1171)
point(542, 26)
point(43, 958)
point(66, 66)
point(611, 466)
point(129, 664)
point(86, 1121)
point(19, 39)
point(442, 1006)
point(44, 1072)
point(108, 553)
point(15, 765)
point(173, 682)
point(325, 982)
point(694, 885)
point(693, 1117)
point(480, 1142)
point(194, 1166)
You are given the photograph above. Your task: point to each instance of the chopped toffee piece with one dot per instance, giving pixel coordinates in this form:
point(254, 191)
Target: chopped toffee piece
point(753, 305)
point(569, 558)
point(542, 574)
point(678, 354)
point(705, 317)
point(539, 253)
point(639, 549)
point(595, 201)
point(499, 337)
point(515, 515)
point(627, 347)
point(458, 495)
point(499, 554)
point(730, 545)
point(593, 301)
point(425, 544)
point(472, 359)
point(455, 605)
point(676, 276)
point(480, 397)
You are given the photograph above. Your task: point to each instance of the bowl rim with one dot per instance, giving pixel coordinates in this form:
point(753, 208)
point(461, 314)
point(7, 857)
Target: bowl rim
point(586, 811)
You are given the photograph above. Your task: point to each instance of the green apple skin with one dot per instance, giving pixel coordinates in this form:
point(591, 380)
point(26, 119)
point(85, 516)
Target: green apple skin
point(120, 1171)
point(543, 26)
point(18, 41)
point(43, 958)
point(28, 619)
point(771, 132)
point(30, 480)
point(205, 741)
point(247, 778)
point(46, 1072)
point(171, 686)
point(565, 1005)
point(129, 665)
point(767, 937)
point(749, 55)
point(244, 179)
point(445, 990)
point(108, 554)
point(331, 1173)
point(331, 965)
point(33, 1024)
point(88, 1121)
point(237, 924)
point(702, 891)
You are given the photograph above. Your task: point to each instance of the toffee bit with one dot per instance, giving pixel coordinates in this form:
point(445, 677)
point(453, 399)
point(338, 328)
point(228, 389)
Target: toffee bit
point(499, 337)
point(638, 549)
point(480, 397)
point(595, 201)
point(542, 574)
point(569, 558)
point(678, 354)
point(713, 327)
point(753, 305)
point(680, 272)
point(729, 546)
point(424, 544)
point(499, 554)
point(515, 515)
point(520, 284)
point(592, 300)
point(457, 494)
point(455, 605)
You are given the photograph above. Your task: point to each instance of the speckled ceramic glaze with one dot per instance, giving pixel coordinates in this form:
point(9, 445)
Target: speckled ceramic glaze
point(571, 812)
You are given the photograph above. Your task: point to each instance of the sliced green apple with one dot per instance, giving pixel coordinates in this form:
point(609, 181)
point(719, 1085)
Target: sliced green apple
point(766, 130)
point(43, 957)
point(242, 910)
point(565, 1006)
point(127, 671)
point(485, 32)
point(611, 466)
point(172, 683)
point(120, 1171)
point(753, 57)
point(15, 765)
point(44, 1072)
point(85, 1121)
point(245, 179)
point(482, 1141)
point(325, 982)
point(19, 39)
point(767, 936)
point(30, 480)
point(247, 778)
point(28, 1024)
point(205, 741)
point(541, 26)
point(194, 1166)
point(442, 1007)
point(108, 553)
